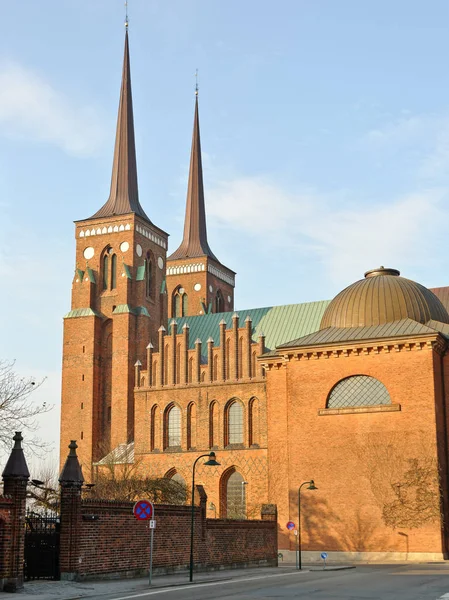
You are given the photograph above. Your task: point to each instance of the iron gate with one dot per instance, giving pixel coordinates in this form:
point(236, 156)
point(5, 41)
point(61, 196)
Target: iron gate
point(41, 545)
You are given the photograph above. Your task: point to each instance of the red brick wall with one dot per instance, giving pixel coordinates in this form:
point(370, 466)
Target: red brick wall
point(345, 513)
point(112, 541)
point(6, 506)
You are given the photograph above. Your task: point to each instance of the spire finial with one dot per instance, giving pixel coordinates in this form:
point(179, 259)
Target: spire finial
point(196, 82)
point(126, 15)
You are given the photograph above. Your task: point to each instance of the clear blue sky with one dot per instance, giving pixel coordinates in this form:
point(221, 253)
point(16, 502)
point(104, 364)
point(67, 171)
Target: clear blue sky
point(325, 132)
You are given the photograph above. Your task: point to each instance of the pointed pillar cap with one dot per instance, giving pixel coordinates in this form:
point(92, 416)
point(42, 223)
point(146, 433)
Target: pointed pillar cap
point(161, 329)
point(210, 340)
point(138, 363)
point(71, 473)
point(198, 341)
point(223, 322)
point(16, 465)
point(150, 346)
point(248, 319)
point(186, 326)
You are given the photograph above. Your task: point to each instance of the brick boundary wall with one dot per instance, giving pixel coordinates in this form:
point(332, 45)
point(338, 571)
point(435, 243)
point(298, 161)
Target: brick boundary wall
point(101, 538)
point(6, 509)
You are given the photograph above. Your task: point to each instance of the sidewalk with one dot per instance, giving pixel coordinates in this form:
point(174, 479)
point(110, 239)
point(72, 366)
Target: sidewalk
point(71, 590)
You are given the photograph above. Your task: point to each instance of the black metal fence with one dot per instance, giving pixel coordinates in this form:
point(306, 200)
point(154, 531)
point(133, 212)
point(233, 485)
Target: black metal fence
point(41, 545)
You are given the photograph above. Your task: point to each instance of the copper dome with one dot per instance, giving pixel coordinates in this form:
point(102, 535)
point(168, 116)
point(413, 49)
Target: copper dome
point(383, 296)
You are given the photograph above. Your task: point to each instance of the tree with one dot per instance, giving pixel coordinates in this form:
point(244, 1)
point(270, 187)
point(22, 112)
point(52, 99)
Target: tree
point(17, 410)
point(119, 476)
point(43, 493)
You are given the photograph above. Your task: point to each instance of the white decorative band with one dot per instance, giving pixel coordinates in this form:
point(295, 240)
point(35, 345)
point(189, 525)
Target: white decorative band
point(221, 275)
point(103, 230)
point(185, 269)
point(151, 236)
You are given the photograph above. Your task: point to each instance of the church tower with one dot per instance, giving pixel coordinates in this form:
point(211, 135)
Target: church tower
point(197, 282)
point(118, 303)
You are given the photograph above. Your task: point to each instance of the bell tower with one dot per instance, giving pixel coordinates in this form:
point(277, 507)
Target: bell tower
point(118, 303)
point(197, 282)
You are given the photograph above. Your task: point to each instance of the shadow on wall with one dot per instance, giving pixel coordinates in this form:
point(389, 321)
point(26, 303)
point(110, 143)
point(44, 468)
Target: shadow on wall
point(323, 528)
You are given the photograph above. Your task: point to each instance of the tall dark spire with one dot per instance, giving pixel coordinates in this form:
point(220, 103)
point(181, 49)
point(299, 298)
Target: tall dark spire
point(194, 243)
point(124, 195)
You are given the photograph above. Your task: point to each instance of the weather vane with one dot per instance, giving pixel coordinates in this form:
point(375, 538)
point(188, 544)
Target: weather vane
point(126, 14)
point(196, 82)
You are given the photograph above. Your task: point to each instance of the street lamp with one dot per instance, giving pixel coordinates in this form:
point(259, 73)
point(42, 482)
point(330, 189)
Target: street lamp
point(312, 486)
point(209, 463)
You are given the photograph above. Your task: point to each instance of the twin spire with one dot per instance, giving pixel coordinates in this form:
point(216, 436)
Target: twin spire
point(124, 194)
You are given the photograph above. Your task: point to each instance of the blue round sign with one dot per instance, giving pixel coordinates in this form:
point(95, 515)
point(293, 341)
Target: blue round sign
point(324, 555)
point(290, 525)
point(143, 510)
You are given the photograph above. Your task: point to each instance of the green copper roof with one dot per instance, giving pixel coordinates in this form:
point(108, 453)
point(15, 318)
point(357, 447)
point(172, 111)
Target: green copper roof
point(280, 324)
point(82, 312)
point(126, 308)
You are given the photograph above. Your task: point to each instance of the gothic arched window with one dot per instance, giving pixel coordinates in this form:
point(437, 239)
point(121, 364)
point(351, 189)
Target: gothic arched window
point(234, 423)
point(113, 271)
point(149, 276)
point(359, 390)
point(232, 495)
point(173, 427)
point(219, 302)
point(105, 268)
point(179, 303)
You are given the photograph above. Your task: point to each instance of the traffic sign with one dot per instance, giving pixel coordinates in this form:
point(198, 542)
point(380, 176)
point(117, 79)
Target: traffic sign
point(143, 510)
point(290, 525)
point(152, 524)
point(324, 555)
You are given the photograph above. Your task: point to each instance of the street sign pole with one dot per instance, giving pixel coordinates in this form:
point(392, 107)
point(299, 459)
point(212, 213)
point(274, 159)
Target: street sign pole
point(297, 549)
point(152, 528)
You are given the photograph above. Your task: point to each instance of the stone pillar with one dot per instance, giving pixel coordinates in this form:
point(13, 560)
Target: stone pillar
point(161, 355)
point(235, 334)
point(184, 375)
point(150, 364)
point(197, 375)
point(174, 333)
point(15, 479)
point(223, 349)
point(71, 481)
point(247, 362)
point(137, 368)
point(210, 359)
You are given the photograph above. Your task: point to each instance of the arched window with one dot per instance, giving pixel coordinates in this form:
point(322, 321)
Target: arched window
point(240, 360)
point(113, 271)
point(234, 423)
point(173, 427)
point(179, 303)
point(214, 416)
point(155, 428)
point(219, 302)
point(191, 426)
point(359, 390)
point(253, 365)
point(232, 495)
point(228, 357)
point(105, 267)
point(253, 422)
point(178, 493)
point(149, 276)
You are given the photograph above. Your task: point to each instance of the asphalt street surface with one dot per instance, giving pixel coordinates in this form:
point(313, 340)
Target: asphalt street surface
point(386, 582)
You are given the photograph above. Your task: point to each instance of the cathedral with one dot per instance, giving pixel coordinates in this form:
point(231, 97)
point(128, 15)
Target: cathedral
point(158, 368)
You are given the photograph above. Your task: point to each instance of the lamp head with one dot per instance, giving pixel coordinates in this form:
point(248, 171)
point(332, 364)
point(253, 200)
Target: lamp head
point(212, 462)
point(312, 485)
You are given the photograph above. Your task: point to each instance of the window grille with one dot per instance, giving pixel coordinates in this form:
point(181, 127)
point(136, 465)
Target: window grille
point(235, 423)
point(359, 390)
point(174, 427)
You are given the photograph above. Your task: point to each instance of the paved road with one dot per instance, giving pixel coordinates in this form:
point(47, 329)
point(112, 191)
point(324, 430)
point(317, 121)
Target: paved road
point(383, 582)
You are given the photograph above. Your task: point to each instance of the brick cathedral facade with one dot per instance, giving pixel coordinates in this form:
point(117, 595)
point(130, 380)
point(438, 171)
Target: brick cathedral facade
point(157, 368)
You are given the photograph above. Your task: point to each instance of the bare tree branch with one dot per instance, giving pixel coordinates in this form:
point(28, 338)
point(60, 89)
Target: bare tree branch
point(17, 411)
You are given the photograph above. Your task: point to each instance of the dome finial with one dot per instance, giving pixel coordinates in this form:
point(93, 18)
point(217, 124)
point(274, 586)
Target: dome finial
point(382, 271)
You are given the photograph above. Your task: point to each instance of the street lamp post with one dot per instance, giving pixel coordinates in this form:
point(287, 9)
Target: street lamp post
point(210, 463)
point(312, 486)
